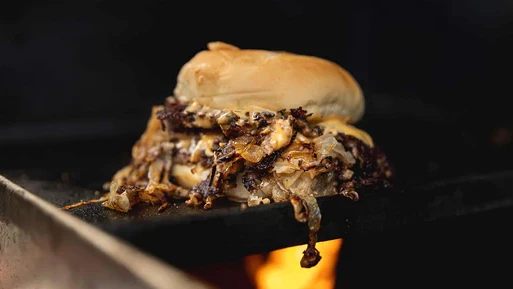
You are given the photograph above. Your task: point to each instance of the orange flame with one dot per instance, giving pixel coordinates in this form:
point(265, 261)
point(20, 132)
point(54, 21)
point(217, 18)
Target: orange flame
point(282, 269)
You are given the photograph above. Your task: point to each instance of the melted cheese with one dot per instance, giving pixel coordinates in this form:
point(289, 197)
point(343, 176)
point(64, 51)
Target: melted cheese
point(206, 143)
point(239, 193)
point(281, 133)
point(335, 125)
point(188, 176)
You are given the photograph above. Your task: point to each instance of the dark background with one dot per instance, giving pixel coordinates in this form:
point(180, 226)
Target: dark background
point(435, 73)
point(78, 78)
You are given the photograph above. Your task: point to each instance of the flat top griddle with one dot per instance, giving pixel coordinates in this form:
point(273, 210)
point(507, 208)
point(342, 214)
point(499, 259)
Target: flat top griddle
point(228, 232)
point(444, 177)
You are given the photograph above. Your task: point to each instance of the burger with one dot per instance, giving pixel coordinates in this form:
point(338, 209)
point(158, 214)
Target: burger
point(256, 127)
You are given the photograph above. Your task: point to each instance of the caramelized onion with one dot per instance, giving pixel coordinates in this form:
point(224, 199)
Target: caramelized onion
point(253, 154)
point(327, 146)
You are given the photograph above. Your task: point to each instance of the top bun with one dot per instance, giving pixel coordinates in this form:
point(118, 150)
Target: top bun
point(226, 77)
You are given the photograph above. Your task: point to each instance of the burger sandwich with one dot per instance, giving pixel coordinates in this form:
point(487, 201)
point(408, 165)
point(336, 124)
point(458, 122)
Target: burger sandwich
point(255, 127)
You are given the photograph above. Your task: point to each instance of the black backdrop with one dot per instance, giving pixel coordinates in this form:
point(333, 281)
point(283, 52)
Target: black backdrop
point(75, 59)
point(77, 78)
point(435, 73)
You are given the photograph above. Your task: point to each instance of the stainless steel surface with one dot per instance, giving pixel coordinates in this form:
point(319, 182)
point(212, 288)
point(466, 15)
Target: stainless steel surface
point(44, 247)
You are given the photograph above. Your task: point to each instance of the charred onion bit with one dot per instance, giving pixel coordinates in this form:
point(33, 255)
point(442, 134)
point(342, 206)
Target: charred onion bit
point(300, 113)
point(254, 173)
point(372, 169)
point(175, 117)
point(311, 255)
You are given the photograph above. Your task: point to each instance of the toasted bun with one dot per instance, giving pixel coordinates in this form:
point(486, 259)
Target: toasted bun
point(226, 77)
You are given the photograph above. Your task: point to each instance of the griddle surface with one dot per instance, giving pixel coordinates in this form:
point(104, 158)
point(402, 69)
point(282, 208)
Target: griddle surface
point(227, 232)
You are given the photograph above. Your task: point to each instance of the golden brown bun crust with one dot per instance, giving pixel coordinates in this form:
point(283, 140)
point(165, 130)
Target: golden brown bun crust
point(226, 77)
